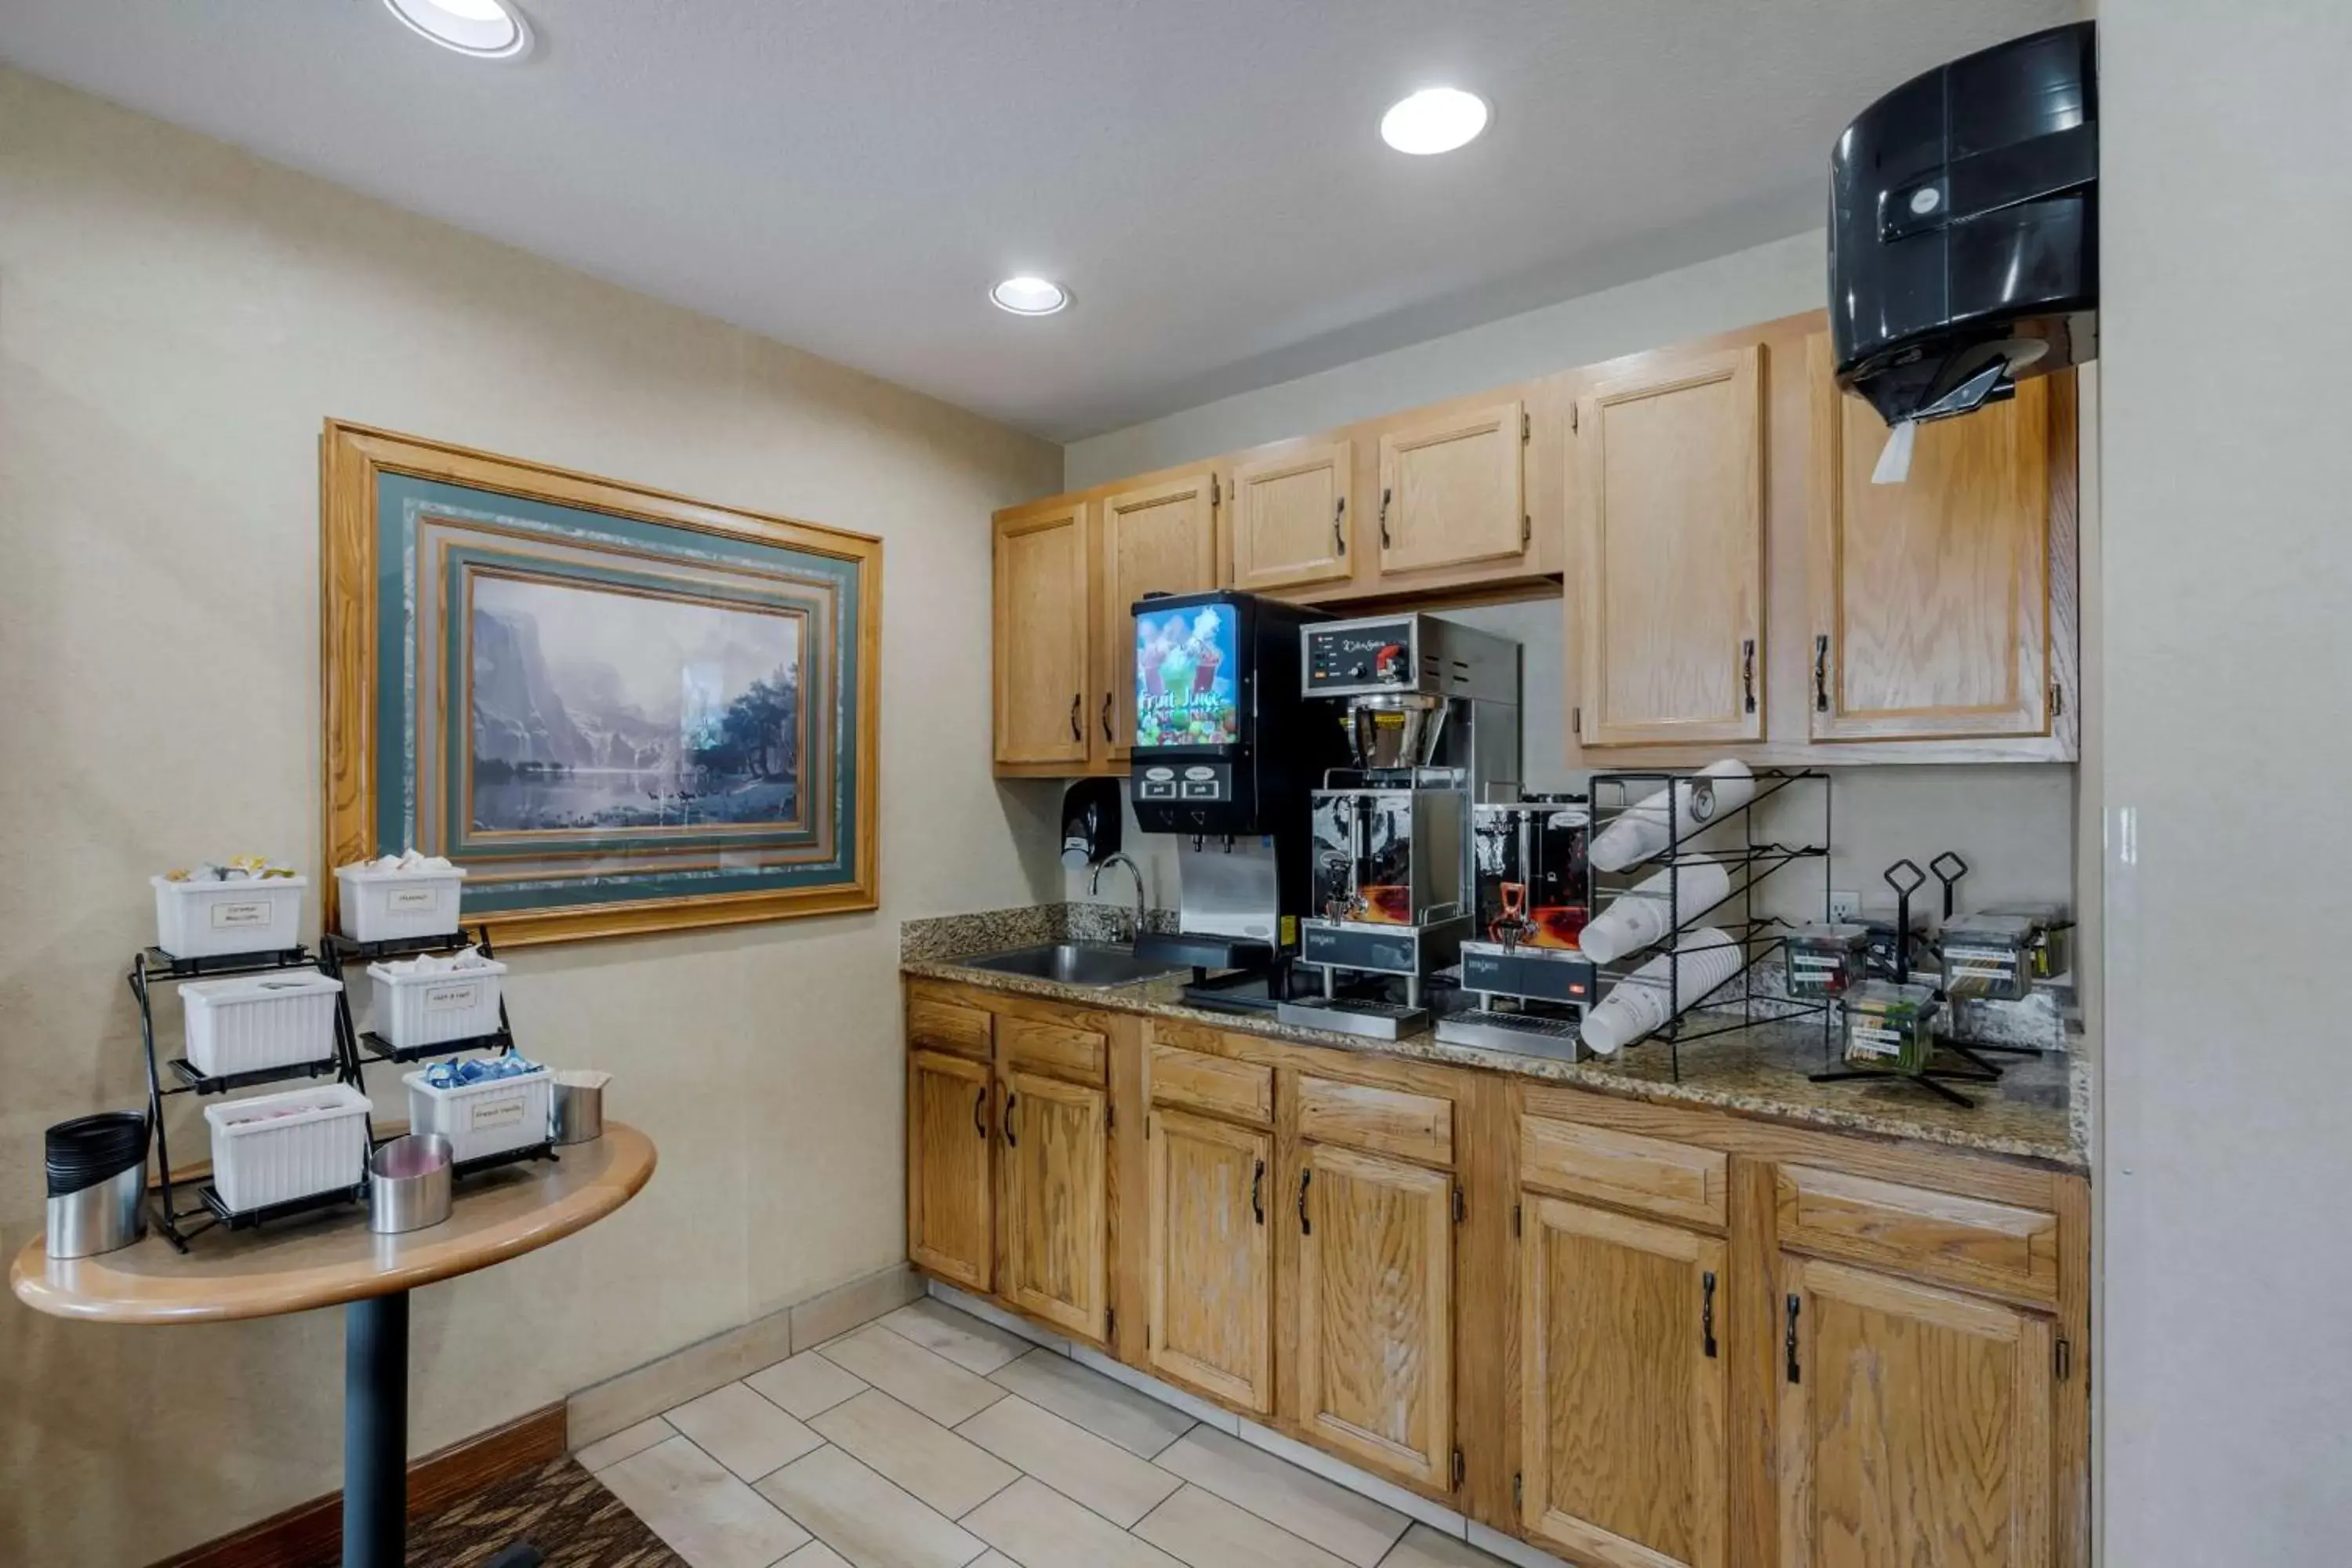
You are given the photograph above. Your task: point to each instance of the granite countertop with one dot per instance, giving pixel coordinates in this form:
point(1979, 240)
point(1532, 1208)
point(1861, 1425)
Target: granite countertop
point(2039, 1111)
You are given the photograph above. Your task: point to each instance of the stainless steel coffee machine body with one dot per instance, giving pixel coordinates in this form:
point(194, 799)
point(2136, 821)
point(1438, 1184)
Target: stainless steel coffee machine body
point(1430, 712)
point(1533, 895)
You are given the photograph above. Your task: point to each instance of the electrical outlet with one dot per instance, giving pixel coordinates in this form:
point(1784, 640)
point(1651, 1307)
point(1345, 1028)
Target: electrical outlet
point(1845, 905)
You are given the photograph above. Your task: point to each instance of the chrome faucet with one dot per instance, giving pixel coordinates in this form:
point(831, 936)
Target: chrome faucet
point(1094, 886)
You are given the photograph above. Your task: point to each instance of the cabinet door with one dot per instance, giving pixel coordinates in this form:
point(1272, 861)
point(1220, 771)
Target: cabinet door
point(1161, 539)
point(1670, 535)
point(1931, 613)
point(1291, 517)
point(1622, 1441)
point(1914, 1426)
point(1453, 489)
point(1043, 676)
point(1057, 1231)
point(1212, 1268)
point(1376, 1310)
point(951, 1212)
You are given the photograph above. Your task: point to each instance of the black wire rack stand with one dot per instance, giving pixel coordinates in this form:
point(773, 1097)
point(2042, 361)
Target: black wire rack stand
point(179, 1221)
point(1730, 836)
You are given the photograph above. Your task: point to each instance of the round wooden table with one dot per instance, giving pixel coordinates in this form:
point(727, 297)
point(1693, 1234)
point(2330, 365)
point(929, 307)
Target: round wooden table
point(339, 1262)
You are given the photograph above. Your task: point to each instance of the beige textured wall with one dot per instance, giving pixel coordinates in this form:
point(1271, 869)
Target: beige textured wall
point(175, 320)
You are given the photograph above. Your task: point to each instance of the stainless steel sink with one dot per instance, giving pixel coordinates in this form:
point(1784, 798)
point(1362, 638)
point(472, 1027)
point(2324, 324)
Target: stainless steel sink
point(1075, 963)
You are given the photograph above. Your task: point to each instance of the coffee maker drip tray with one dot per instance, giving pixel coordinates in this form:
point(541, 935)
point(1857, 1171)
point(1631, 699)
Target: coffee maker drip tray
point(1520, 1034)
point(1373, 1020)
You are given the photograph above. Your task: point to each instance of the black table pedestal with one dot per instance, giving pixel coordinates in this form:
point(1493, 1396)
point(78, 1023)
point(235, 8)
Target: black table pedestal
point(375, 1431)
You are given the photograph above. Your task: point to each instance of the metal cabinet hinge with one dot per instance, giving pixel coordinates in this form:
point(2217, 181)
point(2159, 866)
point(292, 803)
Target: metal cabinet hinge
point(1110, 1117)
point(2057, 700)
point(1526, 530)
point(1461, 1205)
point(1526, 428)
point(1576, 722)
point(1515, 1222)
point(2062, 1356)
point(1519, 1494)
point(1460, 1469)
point(1111, 1323)
point(1571, 418)
point(1216, 490)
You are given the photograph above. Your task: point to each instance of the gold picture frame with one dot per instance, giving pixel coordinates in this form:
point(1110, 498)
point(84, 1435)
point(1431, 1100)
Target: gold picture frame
point(382, 491)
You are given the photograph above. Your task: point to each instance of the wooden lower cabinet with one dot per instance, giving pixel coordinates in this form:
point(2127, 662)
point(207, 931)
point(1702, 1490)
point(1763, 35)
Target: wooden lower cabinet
point(1634, 1335)
point(1212, 1263)
point(1914, 1426)
point(1375, 1309)
point(1056, 1226)
point(1622, 1404)
point(950, 1207)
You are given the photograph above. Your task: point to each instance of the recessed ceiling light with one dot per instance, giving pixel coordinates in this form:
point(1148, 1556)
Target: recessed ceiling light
point(486, 29)
point(1434, 120)
point(1029, 296)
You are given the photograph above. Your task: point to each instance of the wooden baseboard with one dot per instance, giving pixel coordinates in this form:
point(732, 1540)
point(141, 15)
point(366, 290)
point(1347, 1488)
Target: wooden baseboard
point(312, 1532)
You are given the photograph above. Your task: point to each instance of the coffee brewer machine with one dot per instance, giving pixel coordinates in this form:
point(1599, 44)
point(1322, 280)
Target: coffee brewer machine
point(1430, 712)
point(1534, 894)
point(1224, 756)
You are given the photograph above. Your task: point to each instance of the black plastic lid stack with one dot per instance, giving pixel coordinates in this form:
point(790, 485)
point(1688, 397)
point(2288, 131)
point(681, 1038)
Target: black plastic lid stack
point(93, 1149)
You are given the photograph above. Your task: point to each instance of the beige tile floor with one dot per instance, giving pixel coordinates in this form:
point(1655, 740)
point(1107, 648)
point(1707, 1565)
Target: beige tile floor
point(931, 1439)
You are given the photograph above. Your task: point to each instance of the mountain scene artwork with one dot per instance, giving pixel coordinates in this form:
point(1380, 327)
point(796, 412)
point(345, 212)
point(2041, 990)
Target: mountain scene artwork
point(599, 709)
point(619, 710)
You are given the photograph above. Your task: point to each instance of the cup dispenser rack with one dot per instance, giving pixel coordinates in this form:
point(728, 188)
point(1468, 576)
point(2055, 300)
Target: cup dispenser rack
point(1734, 839)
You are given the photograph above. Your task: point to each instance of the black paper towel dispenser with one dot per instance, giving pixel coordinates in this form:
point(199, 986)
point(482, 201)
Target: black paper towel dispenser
point(1964, 228)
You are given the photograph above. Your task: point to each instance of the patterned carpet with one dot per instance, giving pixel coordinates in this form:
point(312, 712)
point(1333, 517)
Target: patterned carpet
point(559, 1508)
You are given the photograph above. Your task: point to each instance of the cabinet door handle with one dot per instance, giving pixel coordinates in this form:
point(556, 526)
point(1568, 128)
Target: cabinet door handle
point(1105, 720)
point(1385, 519)
point(1747, 671)
point(1707, 1312)
point(1077, 700)
point(1339, 530)
point(1796, 1305)
point(1822, 673)
point(978, 1107)
point(1257, 1192)
point(1306, 1226)
point(1013, 1142)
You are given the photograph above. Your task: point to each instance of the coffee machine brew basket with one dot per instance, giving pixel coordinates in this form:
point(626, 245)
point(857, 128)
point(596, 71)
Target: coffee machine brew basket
point(1394, 730)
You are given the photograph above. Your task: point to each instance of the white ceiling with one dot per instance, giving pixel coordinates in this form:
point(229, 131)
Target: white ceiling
point(1204, 175)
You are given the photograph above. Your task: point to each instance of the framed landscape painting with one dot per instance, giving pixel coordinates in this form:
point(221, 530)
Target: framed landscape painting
point(618, 710)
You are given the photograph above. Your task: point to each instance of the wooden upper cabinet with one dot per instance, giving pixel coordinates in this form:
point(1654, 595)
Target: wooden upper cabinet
point(1211, 1266)
point(1160, 539)
point(1292, 517)
point(1914, 1426)
point(1056, 1201)
point(1623, 1439)
point(1044, 675)
point(1453, 489)
point(1669, 535)
point(950, 1215)
point(1931, 598)
point(1375, 1311)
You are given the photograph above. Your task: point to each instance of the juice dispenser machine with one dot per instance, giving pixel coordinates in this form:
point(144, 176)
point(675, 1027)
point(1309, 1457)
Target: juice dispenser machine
point(1225, 757)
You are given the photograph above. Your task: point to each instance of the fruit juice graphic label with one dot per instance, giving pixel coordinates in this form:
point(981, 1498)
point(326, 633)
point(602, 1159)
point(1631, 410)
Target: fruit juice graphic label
point(1185, 670)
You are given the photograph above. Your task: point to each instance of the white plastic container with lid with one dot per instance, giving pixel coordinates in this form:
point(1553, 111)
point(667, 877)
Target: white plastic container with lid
point(274, 1148)
point(202, 917)
point(397, 906)
point(254, 1022)
point(434, 1007)
point(481, 1118)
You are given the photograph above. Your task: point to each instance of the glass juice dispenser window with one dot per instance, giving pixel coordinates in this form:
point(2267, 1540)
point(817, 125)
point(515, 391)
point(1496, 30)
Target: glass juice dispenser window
point(1187, 676)
point(1541, 897)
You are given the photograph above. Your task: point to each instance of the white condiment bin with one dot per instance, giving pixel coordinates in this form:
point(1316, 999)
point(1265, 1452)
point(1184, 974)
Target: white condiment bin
point(482, 1118)
point(397, 906)
point(319, 1144)
point(435, 1007)
point(259, 1021)
point(203, 917)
